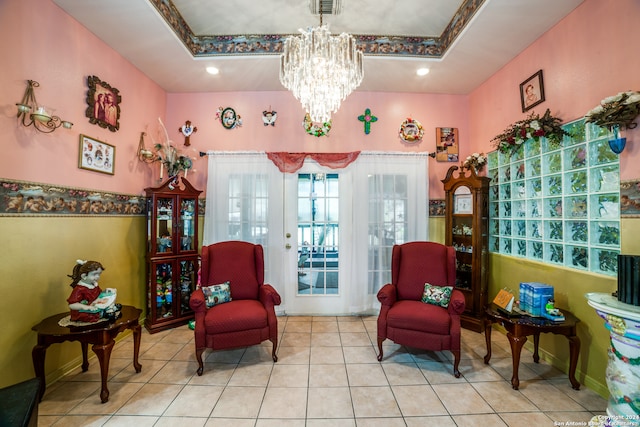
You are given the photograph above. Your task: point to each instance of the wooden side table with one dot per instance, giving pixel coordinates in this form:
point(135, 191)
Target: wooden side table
point(518, 328)
point(101, 336)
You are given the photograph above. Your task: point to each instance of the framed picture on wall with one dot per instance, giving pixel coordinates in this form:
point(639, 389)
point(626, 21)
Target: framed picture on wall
point(532, 91)
point(103, 104)
point(96, 155)
point(447, 149)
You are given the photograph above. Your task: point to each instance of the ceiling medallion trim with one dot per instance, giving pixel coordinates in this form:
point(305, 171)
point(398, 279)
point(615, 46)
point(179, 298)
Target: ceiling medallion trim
point(267, 44)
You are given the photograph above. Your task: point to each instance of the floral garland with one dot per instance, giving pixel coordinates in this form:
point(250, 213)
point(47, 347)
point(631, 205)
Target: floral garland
point(533, 127)
point(618, 110)
point(475, 161)
point(314, 129)
point(411, 130)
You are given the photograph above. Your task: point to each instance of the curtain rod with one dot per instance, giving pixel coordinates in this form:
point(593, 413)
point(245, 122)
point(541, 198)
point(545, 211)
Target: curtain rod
point(368, 153)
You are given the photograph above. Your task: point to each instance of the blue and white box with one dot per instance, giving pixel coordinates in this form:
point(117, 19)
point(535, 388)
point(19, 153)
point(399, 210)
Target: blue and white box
point(534, 297)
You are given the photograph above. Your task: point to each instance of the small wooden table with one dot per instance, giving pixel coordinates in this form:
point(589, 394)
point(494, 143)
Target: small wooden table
point(101, 336)
point(518, 328)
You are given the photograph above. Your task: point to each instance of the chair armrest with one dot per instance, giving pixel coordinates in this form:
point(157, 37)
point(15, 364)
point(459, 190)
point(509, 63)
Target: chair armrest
point(269, 296)
point(457, 303)
point(196, 302)
point(387, 295)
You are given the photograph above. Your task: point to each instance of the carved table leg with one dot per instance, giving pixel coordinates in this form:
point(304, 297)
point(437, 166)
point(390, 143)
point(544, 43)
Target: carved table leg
point(516, 347)
point(574, 351)
point(487, 337)
point(136, 347)
point(104, 354)
point(536, 342)
point(37, 355)
point(85, 356)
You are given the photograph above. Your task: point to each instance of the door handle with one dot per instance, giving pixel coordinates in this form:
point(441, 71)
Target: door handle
point(287, 246)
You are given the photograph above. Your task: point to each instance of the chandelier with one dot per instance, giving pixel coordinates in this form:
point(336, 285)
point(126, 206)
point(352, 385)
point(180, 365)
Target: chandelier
point(320, 70)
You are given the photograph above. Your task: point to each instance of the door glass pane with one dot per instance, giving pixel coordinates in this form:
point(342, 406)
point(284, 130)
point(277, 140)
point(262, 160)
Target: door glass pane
point(187, 284)
point(187, 228)
point(164, 227)
point(164, 290)
point(318, 234)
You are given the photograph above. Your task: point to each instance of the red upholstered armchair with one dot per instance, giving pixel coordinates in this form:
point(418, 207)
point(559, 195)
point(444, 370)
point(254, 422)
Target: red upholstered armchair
point(249, 318)
point(404, 318)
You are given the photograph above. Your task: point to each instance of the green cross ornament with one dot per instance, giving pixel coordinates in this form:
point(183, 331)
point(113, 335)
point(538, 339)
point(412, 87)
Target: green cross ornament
point(367, 118)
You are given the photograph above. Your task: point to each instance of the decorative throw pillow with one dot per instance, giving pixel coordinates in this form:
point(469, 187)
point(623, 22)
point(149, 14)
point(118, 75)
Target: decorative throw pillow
point(437, 295)
point(217, 294)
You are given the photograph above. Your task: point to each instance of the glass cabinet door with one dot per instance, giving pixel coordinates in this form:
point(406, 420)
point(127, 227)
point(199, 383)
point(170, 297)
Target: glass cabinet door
point(186, 223)
point(186, 284)
point(164, 224)
point(162, 281)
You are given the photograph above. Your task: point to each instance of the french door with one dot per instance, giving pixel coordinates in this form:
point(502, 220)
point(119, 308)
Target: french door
point(316, 212)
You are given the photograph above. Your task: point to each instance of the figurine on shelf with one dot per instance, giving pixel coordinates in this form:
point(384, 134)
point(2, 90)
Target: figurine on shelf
point(87, 302)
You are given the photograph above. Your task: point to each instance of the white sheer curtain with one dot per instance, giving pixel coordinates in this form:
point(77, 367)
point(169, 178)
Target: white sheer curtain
point(244, 202)
point(384, 202)
point(394, 189)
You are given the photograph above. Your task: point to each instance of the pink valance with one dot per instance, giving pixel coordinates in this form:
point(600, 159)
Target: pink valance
point(291, 162)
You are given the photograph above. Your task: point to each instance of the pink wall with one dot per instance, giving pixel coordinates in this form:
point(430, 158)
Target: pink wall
point(589, 55)
point(41, 42)
point(347, 133)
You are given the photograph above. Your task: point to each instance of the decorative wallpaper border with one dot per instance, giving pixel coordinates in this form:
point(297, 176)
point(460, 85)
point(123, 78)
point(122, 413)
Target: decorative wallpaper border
point(630, 199)
point(437, 207)
point(20, 198)
point(374, 45)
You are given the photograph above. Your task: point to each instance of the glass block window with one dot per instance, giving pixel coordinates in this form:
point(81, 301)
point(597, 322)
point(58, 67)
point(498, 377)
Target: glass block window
point(558, 204)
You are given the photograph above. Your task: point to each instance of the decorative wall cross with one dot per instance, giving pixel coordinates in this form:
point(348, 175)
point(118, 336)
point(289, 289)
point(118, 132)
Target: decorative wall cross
point(187, 130)
point(367, 118)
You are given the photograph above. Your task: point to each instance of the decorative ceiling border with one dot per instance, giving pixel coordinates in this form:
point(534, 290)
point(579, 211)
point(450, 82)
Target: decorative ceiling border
point(370, 45)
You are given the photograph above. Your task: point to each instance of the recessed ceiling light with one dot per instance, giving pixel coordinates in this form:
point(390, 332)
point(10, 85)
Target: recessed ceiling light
point(212, 70)
point(422, 71)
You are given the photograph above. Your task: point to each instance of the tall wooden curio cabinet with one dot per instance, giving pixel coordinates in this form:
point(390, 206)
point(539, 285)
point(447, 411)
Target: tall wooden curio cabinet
point(466, 229)
point(172, 253)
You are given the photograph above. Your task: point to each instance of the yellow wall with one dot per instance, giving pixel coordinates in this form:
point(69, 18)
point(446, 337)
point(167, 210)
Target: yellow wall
point(37, 255)
point(570, 287)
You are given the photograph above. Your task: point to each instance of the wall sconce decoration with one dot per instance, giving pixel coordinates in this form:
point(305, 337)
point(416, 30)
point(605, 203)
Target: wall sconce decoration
point(166, 154)
point(37, 115)
point(144, 155)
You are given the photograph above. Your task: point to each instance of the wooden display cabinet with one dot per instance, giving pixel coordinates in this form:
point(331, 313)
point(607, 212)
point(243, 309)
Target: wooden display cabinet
point(466, 229)
point(172, 253)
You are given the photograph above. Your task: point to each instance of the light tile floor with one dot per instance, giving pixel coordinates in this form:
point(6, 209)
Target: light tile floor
point(327, 375)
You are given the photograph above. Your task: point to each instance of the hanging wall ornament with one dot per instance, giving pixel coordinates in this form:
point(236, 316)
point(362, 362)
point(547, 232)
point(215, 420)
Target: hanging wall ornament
point(187, 130)
point(411, 130)
point(315, 129)
point(228, 118)
point(269, 117)
point(367, 118)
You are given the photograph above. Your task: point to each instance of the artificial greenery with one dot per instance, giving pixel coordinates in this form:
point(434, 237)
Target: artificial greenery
point(533, 127)
point(618, 110)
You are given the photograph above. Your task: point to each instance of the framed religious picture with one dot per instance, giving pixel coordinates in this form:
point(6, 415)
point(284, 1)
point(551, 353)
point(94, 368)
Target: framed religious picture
point(532, 91)
point(447, 149)
point(103, 104)
point(96, 155)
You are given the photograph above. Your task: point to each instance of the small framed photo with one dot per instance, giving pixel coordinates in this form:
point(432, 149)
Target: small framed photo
point(96, 155)
point(103, 104)
point(532, 91)
point(447, 148)
point(462, 204)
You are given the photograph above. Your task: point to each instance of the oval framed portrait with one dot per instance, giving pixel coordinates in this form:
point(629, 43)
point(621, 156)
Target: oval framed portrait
point(229, 118)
